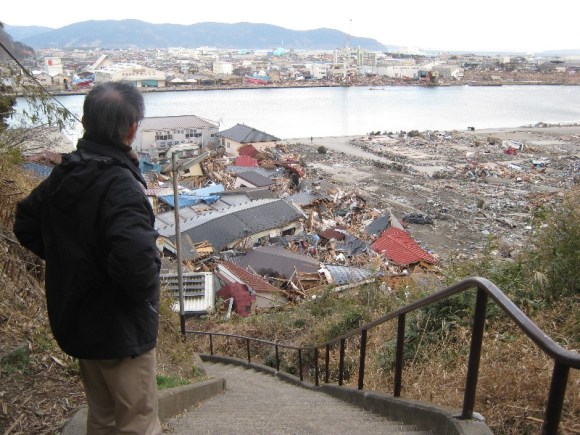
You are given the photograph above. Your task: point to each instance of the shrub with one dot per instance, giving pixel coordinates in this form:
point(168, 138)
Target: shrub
point(550, 260)
point(322, 150)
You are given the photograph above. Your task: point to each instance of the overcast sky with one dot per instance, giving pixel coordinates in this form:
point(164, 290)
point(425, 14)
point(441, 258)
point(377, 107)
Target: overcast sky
point(494, 25)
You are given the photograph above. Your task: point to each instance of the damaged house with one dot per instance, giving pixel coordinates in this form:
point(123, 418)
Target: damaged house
point(246, 290)
point(237, 226)
point(240, 136)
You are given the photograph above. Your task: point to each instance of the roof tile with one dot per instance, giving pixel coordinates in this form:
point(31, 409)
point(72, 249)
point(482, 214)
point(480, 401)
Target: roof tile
point(398, 246)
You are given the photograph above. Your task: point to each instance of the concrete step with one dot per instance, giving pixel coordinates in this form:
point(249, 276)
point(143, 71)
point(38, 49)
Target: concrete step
point(257, 403)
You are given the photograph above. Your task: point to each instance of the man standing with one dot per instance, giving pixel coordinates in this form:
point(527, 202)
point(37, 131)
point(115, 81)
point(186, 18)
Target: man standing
point(93, 225)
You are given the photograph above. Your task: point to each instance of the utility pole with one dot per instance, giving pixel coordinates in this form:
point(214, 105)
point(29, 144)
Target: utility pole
point(178, 242)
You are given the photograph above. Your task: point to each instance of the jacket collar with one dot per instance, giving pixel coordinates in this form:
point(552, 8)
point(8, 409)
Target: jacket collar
point(114, 153)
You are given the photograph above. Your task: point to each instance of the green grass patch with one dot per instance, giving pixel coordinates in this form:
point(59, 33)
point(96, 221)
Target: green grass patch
point(164, 382)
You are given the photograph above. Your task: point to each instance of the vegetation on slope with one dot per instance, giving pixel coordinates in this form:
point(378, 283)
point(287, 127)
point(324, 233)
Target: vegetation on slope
point(514, 374)
point(39, 385)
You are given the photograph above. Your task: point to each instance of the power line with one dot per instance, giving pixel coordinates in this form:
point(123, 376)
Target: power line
point(30, 75)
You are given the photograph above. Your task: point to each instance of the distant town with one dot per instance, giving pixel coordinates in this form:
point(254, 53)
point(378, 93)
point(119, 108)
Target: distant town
point(75, 70)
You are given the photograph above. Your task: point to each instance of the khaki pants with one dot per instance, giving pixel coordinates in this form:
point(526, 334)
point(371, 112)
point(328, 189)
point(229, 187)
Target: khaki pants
point(122, 395)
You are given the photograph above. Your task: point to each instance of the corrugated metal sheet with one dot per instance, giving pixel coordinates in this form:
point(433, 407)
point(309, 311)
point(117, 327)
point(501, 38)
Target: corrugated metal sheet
point(347, 275)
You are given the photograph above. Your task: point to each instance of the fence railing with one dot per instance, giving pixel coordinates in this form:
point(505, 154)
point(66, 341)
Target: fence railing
point(563, 359)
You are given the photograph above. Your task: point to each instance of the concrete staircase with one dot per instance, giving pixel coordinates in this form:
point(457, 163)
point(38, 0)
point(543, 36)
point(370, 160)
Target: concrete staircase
point(258, 403)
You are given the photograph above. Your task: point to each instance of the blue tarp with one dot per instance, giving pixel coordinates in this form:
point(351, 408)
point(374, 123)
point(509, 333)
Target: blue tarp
point(189, 200)
point(145, 167)
point(184, 200)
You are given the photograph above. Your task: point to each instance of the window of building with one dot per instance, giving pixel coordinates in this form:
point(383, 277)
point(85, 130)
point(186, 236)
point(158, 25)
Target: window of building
point(163, 135)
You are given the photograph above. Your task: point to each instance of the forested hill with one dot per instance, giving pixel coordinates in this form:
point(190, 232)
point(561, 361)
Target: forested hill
point(143, 35)
point(17, 48)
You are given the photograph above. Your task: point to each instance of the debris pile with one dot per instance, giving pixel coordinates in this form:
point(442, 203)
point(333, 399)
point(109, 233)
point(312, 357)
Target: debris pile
point(294, 219)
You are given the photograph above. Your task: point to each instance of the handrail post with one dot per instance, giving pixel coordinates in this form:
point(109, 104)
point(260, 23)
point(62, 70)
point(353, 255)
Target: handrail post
point(361, 364)
point(341, 363)
point(474, 354)
point(399, 355)
point(300, 363)
point(277, 360)
point(327, 364)
point(316, 366)
point(248, 349)
point(555, 399)
point(210, 344)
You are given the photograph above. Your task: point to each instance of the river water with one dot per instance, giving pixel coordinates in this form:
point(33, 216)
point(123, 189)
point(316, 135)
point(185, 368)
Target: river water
point(347, 111)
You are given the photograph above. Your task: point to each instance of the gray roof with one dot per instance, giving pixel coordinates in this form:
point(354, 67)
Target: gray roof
point(222, 227)
point(175, 122)
point(243, 134)
point(256, 179)
point(273, 260)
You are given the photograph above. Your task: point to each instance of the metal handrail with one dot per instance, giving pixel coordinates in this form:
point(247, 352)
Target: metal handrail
point(563, 359)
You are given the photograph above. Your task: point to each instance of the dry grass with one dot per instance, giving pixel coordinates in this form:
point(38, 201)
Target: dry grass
point(40, 389)
point(513, 379)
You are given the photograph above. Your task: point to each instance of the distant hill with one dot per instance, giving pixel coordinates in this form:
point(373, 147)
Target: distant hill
point(18, 49)
point(139, 34)
point(19, 33)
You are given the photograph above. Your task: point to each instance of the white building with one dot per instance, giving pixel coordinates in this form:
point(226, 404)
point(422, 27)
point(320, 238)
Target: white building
point(53, 65)
point(156, 135)
point(318, 71)
point(222, 68)
point(449, 71)
point(142, 76)
point(398, 71)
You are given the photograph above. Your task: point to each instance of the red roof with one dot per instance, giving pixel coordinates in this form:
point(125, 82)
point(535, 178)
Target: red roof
point(246, 161)
point(248, 150)
point(398, 246)
point(255, 282)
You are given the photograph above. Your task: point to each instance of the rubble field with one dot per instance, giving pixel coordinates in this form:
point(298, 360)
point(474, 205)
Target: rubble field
point(460, 188)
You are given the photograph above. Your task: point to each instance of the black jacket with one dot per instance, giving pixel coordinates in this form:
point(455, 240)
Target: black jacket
point(93, 225)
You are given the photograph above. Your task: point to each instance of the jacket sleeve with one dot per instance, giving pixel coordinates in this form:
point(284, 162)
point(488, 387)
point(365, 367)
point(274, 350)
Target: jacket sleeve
point(133, 260)
point(28, 221)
